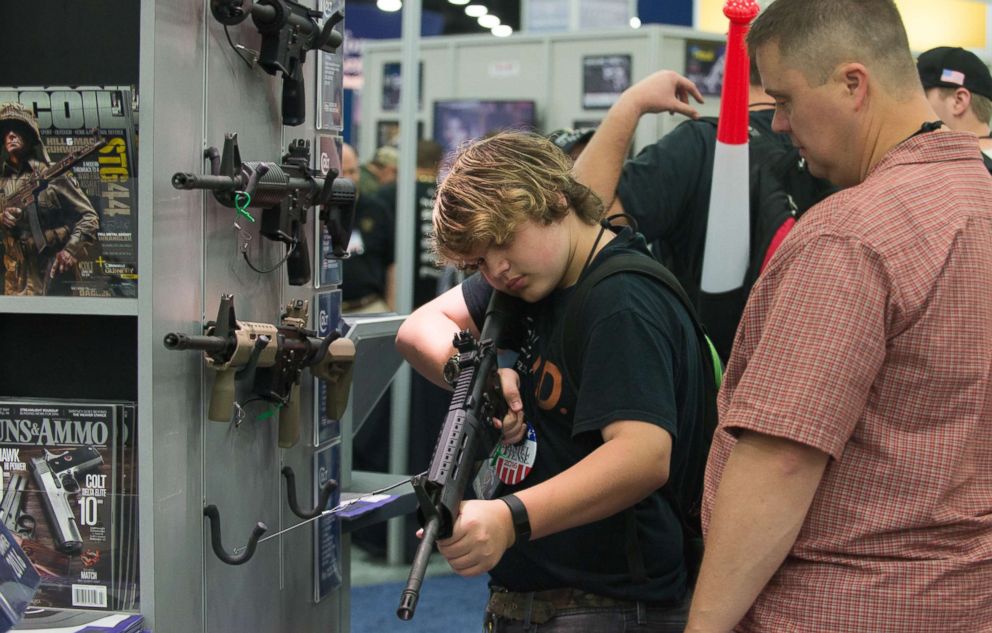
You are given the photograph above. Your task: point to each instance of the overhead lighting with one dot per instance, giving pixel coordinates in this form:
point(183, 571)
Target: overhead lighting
point(389, 5)
point(635, 22)
point(459, 2)
point(489, 21)
point(476, 10)
point(503, 30)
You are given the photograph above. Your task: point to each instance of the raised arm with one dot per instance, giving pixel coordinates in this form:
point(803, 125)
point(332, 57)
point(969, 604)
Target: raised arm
point(425, 338)
point(599, 165)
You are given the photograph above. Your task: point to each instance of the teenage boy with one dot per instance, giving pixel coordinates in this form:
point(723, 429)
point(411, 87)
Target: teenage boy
point(604, 549)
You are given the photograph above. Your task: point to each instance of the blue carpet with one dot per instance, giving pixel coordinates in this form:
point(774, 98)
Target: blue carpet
point(449, 604)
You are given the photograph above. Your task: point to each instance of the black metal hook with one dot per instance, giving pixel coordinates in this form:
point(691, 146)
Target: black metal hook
point(325, 493)
point(249, 550)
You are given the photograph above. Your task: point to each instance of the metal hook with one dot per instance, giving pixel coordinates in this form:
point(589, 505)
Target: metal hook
point(325, 493)
point(246, 552)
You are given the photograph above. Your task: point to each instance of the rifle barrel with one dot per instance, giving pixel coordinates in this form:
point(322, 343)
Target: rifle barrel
point(410, 595)
point(182, 180)
point(209, 344)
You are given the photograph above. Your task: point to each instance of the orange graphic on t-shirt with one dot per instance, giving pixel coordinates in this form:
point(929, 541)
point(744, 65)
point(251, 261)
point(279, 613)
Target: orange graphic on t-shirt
point(548, 384)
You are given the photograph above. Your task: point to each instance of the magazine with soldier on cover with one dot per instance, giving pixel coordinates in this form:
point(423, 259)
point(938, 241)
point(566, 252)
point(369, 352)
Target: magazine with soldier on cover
point(68, 192)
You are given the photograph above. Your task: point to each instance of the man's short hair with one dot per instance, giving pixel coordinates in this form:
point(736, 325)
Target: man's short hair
point(754, 74)
point(496, 184)
point(815, 36)
point(386, 156)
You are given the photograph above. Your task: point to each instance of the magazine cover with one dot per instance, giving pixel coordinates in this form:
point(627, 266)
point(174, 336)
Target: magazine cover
point(58, 464)
point(125, 524)
point(68, 172)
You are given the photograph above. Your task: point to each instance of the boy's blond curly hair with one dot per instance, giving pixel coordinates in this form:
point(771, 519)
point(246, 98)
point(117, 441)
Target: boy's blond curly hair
point(499, 182)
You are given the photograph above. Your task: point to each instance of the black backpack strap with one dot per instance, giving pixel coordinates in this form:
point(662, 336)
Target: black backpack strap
point(571, 342)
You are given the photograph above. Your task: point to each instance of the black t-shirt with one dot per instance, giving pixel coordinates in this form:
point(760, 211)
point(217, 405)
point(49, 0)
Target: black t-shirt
point(426, 273)
point(640, 362)
point(371, 247)
point(666, 188)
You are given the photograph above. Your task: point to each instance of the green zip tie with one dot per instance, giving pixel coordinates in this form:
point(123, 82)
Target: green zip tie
point(241, 202)
point(265, 415)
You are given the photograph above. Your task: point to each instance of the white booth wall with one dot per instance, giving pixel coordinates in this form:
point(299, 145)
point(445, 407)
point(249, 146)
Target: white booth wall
point(545, 68)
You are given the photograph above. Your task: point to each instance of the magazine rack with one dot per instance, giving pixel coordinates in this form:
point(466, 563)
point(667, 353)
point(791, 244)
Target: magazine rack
point(194, 88)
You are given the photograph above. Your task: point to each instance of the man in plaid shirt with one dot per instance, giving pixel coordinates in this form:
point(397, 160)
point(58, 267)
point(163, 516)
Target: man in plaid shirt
point(849, 486)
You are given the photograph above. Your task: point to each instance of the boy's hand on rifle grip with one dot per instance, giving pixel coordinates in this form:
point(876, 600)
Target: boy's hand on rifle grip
point(512, 425)
point(482, 533)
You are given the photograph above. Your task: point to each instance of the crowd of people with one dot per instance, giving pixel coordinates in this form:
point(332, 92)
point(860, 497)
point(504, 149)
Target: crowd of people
point(847, 485)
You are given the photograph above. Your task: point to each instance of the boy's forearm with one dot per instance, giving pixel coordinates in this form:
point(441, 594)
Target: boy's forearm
point(425, 338)
point(764, 494)
point(615, 476)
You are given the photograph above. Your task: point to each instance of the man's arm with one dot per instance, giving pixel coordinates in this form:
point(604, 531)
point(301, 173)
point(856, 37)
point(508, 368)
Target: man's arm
point(764, 494)
point(631, 463)
point(425, 338)
point(598, 167)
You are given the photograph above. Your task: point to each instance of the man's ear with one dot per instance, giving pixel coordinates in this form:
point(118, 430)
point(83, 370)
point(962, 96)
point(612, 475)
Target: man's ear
point(962, 101)
point(853, 77)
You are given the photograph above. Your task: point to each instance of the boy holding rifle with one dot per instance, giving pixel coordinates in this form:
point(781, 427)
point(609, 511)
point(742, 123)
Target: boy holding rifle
point(577, 527)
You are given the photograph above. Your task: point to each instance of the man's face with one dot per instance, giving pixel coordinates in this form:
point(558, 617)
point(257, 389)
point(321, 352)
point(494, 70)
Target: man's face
point(387, 174)
point(531, 265)
point(816, 118)
point(349, 163)
point(13, 142)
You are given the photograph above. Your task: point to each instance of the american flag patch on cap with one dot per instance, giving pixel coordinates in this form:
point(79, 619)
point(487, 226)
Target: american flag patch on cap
point(952, 77)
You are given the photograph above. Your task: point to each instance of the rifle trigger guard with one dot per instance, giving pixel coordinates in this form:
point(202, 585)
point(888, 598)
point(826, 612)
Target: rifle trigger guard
point(325, 493)
point(249, 550)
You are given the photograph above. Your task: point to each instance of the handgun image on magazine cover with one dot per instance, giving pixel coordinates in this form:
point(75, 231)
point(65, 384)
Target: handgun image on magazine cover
point(57, 480)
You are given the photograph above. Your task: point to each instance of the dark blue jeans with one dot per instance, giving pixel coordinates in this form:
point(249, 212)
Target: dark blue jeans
point(600, 620)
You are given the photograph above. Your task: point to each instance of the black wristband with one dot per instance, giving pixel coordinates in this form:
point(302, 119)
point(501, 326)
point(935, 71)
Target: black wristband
point(518, 512)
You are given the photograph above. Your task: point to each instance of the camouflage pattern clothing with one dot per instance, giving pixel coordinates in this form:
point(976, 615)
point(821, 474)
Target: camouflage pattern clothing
point(68, 220)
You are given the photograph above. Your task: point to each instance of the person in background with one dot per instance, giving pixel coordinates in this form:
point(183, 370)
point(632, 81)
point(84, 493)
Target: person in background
point(572, 141)
point(848, 485)
point(368, 275)
point(426, 274)
point(959, 88)
point(666, 188)
point(379, 171)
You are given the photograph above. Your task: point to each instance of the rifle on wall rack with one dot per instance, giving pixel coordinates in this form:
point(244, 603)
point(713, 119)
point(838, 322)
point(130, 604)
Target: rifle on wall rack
point(272, 358)
point(289, 31)
point(285, 193)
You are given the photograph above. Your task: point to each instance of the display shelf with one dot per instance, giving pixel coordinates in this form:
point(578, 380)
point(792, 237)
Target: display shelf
point(69, 305)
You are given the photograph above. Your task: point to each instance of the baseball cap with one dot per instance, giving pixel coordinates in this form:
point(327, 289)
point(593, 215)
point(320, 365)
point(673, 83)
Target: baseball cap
point(387, 156)
point(566, 138)
point(954, 67)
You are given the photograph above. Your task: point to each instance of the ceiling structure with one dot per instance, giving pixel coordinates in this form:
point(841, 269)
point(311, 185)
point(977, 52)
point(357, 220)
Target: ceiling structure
point(456, 22)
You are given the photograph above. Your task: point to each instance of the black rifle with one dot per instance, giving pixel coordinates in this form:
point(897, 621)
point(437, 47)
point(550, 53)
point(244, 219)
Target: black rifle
point(284, 193)
point(466, 435)
point(273, 357)
point(289, 31)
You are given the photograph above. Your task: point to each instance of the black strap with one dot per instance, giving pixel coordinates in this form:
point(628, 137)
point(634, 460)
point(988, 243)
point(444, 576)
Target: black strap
point(626, 262)
point(571, 342)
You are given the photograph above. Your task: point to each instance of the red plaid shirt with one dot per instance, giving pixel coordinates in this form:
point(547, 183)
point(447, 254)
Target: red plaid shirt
point(869, 337)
